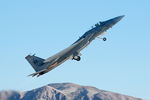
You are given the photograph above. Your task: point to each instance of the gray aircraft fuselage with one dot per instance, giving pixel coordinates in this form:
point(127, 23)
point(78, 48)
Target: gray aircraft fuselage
point(42, 66)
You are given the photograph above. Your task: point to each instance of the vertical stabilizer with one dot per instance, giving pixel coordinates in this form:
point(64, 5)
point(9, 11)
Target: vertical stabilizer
point(36, 62)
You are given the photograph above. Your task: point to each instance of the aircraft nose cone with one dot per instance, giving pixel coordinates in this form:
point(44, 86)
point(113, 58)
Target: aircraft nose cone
point(111, 22)
point(117, 19)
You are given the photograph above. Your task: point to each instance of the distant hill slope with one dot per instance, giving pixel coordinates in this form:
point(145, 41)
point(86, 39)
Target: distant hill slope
point(64, 91)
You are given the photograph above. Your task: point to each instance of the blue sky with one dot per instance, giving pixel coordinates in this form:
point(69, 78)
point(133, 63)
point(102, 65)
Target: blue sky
point(121, 64)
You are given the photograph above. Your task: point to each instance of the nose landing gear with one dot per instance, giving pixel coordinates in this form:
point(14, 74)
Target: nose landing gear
point(104, 39)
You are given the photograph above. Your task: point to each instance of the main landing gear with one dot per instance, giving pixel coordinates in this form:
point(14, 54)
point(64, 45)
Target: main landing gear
point(77, 58)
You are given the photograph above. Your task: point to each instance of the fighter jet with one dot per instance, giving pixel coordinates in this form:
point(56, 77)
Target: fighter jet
point(42, 66)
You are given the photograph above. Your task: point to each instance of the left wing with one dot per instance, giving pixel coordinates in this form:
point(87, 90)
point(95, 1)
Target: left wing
point(38, 73)
point(41, 72)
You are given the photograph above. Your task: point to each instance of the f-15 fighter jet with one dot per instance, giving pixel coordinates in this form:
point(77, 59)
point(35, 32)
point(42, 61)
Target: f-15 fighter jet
point(42, 66)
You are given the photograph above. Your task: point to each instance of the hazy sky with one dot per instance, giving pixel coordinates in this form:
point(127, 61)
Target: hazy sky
point(121, 64)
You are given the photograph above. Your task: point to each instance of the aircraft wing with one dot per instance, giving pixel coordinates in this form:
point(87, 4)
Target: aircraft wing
point(63, 51)
point(55, 61)
point(44, 70)
point(38, 73)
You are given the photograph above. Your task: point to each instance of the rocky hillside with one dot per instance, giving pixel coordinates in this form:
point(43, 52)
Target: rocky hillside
point(64, 91)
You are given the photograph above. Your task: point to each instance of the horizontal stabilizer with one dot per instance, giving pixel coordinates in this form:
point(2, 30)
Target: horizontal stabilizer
point(38, 73)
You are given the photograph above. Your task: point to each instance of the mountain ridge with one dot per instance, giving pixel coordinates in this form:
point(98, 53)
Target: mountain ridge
point(64, 91)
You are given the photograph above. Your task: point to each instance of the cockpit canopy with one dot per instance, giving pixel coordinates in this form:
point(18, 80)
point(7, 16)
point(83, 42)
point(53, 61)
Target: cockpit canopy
point(97, 24)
